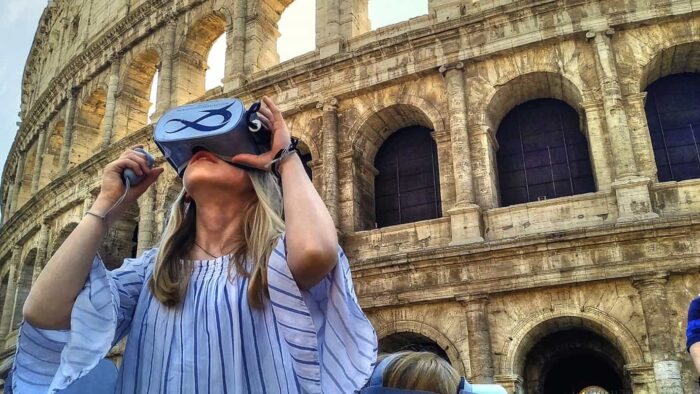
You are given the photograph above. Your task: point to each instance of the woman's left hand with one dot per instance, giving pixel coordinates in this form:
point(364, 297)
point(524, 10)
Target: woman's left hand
point(272, 118)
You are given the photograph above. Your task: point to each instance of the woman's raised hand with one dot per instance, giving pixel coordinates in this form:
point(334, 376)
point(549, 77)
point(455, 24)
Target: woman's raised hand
point(112, 185)
point(272, 118)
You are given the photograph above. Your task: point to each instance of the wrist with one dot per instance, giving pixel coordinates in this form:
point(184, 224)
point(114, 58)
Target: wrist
point(287, 162)
point(100, 208)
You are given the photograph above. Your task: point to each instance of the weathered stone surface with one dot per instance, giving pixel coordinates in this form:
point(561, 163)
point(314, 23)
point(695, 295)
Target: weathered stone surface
point(609, 272)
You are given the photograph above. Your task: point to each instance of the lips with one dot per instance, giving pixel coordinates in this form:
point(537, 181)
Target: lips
point(203, 155)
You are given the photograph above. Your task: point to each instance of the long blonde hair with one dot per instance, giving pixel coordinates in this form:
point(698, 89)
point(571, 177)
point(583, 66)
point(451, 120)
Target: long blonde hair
point(262, 226)
point(424, 371)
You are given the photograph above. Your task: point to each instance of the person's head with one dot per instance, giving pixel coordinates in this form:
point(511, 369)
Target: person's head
point(423, 371)
point(208, 180)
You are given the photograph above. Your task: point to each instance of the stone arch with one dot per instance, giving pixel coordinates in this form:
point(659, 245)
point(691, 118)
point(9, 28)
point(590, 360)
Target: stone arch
point(134, 93)
point(428, 331)
point(88, 126)
point(121, 239)
point(539, 324)
point(363, 132)
point(191, 58)
point(678, 56)
point(526, 87)
point(372, 128)
point(24, 282)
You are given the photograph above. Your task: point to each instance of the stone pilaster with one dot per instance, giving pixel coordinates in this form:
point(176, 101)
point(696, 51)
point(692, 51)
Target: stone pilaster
point(147, 220)
point(667, 369)
point(17, 185)
point(330, 154)
point(67, 132)
point(41, 251)
point(111, 101)
point(7, 309)
point(479, 337)
point(465, 215)
point(165, 77)
point(631, 189)
point(235, 48)
point(39, 161)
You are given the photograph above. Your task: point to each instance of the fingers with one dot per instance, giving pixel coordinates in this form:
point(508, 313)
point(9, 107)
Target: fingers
point(132, 164)
point(256, 161)
point(274, 111)
point(265, 120)
point(141, 160)
point(264, 111)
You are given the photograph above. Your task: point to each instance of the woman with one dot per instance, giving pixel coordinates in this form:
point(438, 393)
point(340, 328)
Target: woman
point(234, 300)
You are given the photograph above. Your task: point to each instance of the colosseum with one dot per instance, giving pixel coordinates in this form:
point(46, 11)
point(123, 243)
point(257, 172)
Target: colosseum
point(550, 238)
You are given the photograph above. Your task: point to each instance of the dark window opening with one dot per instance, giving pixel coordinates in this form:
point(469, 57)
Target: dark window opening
point(542, 153)
point(407, 187)
point(408, 341)
point(673, 115)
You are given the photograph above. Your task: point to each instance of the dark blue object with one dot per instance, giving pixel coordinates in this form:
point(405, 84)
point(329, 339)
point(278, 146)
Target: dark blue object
point(131, 176)
point(692, 333)
point(222, 127)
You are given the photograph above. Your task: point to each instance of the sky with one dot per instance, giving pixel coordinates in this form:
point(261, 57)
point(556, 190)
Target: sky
point(19, 20)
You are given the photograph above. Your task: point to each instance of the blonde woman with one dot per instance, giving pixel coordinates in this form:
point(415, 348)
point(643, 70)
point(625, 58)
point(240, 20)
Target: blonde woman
point(233, 299)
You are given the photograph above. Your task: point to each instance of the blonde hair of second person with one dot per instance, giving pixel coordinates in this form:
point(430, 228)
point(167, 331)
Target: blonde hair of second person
point(220, 197)
point(423, 371)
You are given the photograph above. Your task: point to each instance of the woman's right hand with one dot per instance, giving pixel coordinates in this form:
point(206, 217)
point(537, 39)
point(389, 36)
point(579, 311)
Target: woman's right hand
point(113, 187)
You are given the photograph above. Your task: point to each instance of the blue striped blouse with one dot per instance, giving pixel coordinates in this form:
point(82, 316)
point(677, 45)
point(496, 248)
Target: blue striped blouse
point(315, 341)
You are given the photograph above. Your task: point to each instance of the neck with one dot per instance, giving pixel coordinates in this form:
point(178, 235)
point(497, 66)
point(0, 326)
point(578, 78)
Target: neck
point(219, 226)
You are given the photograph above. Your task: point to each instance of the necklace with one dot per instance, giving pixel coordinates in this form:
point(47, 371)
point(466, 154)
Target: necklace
point(205, 251)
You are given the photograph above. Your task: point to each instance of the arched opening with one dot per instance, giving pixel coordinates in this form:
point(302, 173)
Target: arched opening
point(296, 29)
point(406, 187)
point(135, 96)
point(571, 360)
point(201, 59)
point(216, 63)
point(542, 153)
point(388, 12)
point(89, 119)
point(673, 114)
point(122, 239)
point(420, 190)
point(410, 341)
point(25, 191)
point(24, 282)
point(153, 96)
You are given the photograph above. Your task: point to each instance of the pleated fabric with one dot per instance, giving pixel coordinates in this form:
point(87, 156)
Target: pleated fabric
point(302, 341)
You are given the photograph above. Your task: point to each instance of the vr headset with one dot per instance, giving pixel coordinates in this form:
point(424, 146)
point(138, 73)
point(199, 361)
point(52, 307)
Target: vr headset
point(223, 127)
point(376, 384)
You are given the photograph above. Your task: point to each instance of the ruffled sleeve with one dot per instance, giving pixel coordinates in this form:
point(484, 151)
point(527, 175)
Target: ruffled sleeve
point(332, 343)
point(50, 360)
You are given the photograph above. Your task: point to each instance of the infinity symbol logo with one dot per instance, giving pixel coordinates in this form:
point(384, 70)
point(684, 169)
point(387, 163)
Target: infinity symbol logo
point(195, 124)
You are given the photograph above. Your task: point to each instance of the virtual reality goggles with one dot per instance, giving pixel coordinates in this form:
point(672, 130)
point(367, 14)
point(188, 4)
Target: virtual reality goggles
point(376, 385)
point(223, 127)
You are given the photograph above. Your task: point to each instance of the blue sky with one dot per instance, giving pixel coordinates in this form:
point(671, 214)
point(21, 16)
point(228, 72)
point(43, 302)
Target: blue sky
point(19, 19)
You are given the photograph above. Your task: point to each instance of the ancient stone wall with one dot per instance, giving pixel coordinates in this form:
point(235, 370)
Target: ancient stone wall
point(493, 287)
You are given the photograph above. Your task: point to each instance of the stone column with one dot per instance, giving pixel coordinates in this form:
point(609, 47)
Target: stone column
point(147, 219)
point(234, 68)
point(17, 185)
point(330, 155)
point(465, 215)
point(7, 310)
point(479, 337)
point(667, 369)
point(41, 251)
point(38, 162)
point(111, 103)
point(67, 132)
point(631, 189)
point(165, 78)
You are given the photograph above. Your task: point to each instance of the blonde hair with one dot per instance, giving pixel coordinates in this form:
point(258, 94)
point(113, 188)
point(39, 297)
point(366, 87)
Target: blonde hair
point(420, 371)
point(262, 226)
